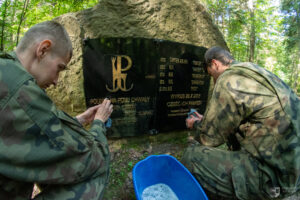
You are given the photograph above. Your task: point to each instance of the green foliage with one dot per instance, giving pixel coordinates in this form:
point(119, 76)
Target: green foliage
point(277, 33)
point(36, 11)
point(291, 9)
point(276, 28)
point(291, 24)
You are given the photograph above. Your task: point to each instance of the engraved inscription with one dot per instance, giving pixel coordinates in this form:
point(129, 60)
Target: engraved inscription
point(151, 83)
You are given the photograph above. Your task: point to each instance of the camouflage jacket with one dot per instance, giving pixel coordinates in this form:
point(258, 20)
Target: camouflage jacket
point(40, 143)
point(263, 115)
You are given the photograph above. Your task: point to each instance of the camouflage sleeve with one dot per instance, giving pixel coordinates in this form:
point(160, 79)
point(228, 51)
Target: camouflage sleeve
point(222, 115)
point(98, 129)
point(44, 145)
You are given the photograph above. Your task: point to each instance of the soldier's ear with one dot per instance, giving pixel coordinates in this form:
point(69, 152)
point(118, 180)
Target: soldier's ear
point(218, 64)
point(43, 48)
point(214, 63)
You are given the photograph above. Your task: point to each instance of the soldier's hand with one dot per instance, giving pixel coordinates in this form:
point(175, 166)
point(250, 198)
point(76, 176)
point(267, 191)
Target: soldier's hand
point(104, 111)
point(199, 116)
point(88, 116)
point(192, 119)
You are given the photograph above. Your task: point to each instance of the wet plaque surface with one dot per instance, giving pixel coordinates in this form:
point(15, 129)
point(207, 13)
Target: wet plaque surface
point(152, 83)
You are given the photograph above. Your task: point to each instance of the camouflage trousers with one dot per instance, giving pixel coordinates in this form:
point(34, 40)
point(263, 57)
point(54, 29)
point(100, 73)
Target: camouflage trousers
point(229, 174)
point(91, 189)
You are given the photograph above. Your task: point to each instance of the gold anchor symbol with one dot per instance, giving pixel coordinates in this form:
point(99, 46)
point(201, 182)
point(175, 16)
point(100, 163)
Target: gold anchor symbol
point(119, 78)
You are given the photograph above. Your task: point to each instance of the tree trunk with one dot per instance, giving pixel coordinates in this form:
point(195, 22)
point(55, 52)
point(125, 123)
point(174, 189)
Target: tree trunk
point(296, 73)
point(223, 23)
point(297, 60)
point(252, 32)
point(26, 3)
point(228, 23)
point(3, 25)
point(12, 19)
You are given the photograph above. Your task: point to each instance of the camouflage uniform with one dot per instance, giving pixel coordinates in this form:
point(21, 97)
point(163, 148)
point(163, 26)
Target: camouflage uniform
point(255, 110)
point(41, 144)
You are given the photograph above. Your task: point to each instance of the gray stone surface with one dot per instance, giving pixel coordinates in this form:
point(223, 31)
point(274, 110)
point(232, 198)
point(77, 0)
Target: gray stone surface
point(185, 21)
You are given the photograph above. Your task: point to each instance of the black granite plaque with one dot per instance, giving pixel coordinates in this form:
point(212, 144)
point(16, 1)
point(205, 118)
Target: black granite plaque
point(152, 83)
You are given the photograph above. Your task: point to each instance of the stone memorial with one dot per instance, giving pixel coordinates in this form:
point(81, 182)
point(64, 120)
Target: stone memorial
point(152, 83)
point(162, 31)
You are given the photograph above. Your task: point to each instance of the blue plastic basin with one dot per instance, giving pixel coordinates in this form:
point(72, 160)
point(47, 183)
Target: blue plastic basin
point(167, 170)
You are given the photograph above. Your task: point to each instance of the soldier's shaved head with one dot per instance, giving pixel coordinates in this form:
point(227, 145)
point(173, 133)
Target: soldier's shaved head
point(47, 30)
point(219, 54)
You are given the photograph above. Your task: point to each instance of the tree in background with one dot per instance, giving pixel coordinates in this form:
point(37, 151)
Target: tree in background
point(291, 24)
point(255, 30)
point(3, 22)
point(252, 8)
point(22, 17)
point(259, 31)
point(17, 16)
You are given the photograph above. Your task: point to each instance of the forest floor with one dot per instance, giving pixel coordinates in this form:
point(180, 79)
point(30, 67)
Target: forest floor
point(125, 153)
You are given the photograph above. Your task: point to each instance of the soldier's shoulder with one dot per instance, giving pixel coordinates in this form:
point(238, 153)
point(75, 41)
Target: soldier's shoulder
point(5, 55)
point(7, 59)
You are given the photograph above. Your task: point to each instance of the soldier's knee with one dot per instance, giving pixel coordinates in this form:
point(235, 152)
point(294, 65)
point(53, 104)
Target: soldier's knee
point(187, 158)
point(193, 156)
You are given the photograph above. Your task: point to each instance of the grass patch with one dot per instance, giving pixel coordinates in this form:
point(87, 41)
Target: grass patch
point(126, 152)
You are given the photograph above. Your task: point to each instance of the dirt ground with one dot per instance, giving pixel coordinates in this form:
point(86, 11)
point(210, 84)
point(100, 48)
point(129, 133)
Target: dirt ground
point(125, 153)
